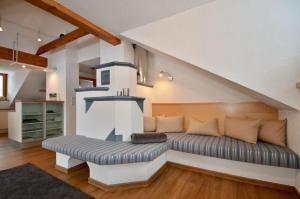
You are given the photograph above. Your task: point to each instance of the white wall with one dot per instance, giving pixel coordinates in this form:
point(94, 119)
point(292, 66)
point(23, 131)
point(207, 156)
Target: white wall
point(32, 86)
point(88, 47)
point(16, 78)
point(190, 84)
point(293, 136)
point(253, 43)
point(122, 52)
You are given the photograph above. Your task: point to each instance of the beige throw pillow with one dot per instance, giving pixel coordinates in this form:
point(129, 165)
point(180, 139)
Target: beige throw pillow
point(169, 124)
point(242, 129)
point(149, 124)
point(203, 128)
point(273, 131)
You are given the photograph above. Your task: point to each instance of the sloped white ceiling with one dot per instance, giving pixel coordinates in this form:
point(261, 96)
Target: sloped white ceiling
point(20, 16)
point(121, 15)
point(254, 44)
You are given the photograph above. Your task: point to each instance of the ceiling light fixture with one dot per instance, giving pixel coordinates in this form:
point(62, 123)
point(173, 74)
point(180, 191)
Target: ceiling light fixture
point(1, 28)
point(23, 66)
point(167, 75)
point(39, 39)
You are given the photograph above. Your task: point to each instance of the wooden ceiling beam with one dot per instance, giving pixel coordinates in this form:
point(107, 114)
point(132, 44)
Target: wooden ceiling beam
point(68, 15)
point(71, 36)
point(23, 57)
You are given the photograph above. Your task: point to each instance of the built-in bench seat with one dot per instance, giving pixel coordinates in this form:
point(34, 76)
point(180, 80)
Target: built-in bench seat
point(104, 152)
point(233, 149)
point(108, 153)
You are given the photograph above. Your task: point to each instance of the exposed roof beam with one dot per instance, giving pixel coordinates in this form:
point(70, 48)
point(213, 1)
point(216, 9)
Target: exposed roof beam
point(68, 15)
point(23, 57)
point(71, 36)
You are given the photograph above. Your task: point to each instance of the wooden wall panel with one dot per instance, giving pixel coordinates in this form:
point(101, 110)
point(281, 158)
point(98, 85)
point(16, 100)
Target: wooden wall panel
point(206, 111)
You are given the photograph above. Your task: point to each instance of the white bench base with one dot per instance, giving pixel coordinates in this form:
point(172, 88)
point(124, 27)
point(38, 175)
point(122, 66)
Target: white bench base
point(113, 175)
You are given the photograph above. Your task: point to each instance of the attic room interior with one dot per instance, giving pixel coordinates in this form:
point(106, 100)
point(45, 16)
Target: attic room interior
point(150, 99)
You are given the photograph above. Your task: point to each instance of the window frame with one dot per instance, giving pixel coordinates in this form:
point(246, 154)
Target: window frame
point(4, 84)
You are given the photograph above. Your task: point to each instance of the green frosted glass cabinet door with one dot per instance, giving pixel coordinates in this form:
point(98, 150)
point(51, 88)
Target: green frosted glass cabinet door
point(54, 119)
point(32, 122)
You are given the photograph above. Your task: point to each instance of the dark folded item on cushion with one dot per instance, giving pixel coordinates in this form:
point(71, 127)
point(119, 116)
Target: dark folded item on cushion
point(145, 138)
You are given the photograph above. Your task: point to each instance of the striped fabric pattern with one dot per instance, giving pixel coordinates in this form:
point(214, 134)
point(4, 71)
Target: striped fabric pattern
point(104, 152)
point(107, 152)
point(233, 149)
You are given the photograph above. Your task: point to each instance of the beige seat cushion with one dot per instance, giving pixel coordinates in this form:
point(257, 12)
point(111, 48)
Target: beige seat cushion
point(273, 131)
point(149, 124)
point(169, 124)
point(203, 128)
point(242, 129)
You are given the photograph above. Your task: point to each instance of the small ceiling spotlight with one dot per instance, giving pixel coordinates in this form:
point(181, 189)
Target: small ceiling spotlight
point(39, 39)
point(45, 70)
point(23, 66)
point(1, 28)
point(167, 75)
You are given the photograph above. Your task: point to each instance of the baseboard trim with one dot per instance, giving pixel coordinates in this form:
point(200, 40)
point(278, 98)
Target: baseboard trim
point(129, 185)
point(261, 183)
point(70, 170)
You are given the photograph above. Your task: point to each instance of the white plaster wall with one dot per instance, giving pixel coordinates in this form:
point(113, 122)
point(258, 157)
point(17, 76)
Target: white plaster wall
point(31, 88)
point(56, 80)
point(72, 82)
point(16, 78)
point(190, 84)
point(122, 52)
point(253, 43)
point(88, 47)
point(293, 136)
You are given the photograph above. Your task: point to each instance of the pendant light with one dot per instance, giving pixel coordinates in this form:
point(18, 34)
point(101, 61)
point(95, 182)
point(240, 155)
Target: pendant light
point(39, 39)
point(1, 28)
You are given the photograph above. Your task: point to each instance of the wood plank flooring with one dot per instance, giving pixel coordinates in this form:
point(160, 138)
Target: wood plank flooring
point(172, 183)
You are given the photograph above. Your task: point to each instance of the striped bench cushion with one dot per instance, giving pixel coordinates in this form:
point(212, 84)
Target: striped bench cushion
point(107, 153)
point(232, 149)
point(104, 152)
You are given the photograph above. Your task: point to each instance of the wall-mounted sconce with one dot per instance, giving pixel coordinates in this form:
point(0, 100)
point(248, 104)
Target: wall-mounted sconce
point(167, 75)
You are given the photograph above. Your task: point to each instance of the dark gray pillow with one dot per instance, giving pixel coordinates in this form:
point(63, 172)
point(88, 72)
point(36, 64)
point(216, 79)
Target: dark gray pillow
point(145, 138)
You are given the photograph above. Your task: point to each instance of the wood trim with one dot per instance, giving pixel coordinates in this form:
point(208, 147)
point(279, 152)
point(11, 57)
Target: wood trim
point(208, 111)
point(69, 37)
point(89, 79)
point(70, 170)
point(129, 185)
point(234, 178)
point(26, 58)
point(68, 15)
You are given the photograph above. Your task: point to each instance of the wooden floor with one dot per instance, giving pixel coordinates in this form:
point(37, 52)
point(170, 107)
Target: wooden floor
point(173, 183)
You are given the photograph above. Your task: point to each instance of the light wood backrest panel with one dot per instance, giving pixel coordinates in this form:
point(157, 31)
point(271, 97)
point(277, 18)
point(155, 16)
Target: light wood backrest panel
point(207, 111)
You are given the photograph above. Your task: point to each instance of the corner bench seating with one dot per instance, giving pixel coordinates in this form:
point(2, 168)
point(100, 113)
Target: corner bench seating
point(110, 153)
point(104, 152)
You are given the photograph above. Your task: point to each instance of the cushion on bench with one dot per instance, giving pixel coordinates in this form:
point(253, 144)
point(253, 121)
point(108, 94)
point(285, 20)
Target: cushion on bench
point(104, 152)
point(233, 149)
point(107, 153)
